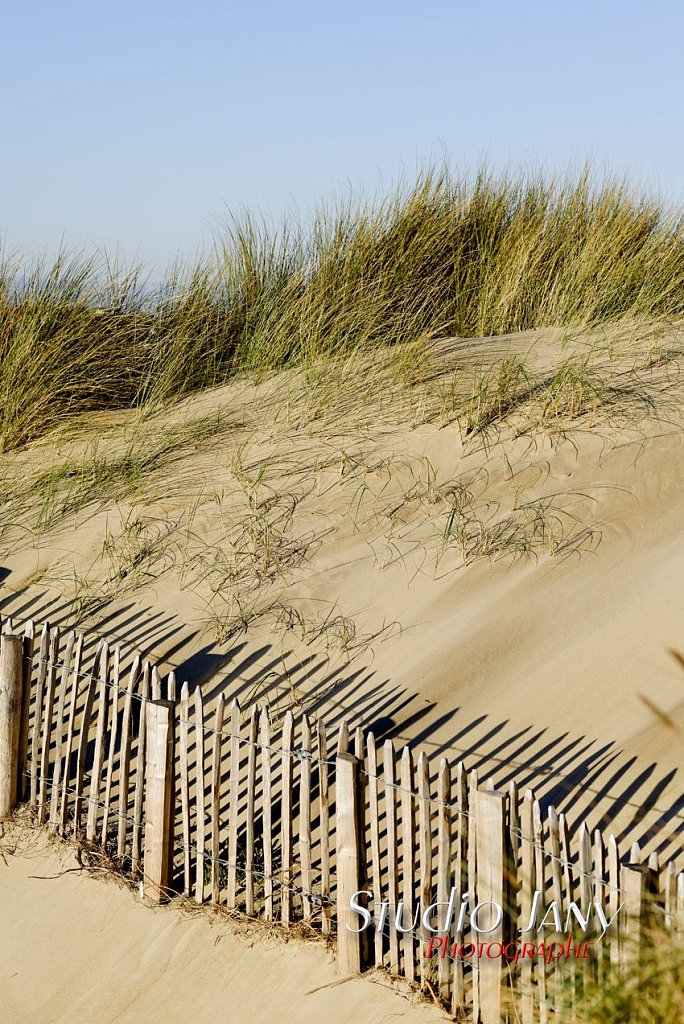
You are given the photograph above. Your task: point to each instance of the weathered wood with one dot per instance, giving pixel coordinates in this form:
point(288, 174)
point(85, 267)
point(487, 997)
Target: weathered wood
point(392, 866)
point(679, 922)
point(27, 676)
point(461, 880)
point(599, 896)
point(348, 863)
point(540, 880)
point(613, 868)
point(555, 864)
point(250, 812)
point(125, 758)
point(48, 711)
point(556, 895)
point(633, 887)
point(527, 889)
point(234, 805)
point(159, 800)
point(112, 741)
point(171, 686)
point(200, 859)
point(156, 690)
point(569, 888)
point(490, 813)
point(98, 756)
point(670, 893)
point(407, 862)
point(216, 801)
point(472, 874)
point(38, 711)
point(11, 693)
point(585, 865)
point(138, 795)
point(375, 872)
point(286, 822)
point(67, 789)
point(266, 811)
point(343, 738)
point(324, 801)
point(424, 859)
point(83, 738)
point(60, 726)
point(443, 865)
point(184, 765)
point(305, 816)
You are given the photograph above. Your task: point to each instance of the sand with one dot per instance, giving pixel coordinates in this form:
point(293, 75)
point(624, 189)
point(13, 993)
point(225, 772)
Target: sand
point(544, 660)
point(84, 950)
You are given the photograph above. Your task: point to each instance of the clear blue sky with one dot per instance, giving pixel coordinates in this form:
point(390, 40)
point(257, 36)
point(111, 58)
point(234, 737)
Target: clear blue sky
point(138, 125)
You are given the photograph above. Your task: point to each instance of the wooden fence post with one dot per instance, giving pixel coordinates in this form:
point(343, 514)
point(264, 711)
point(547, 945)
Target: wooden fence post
point(490, 814)
point(11, 686)
point(348, 862)
point(159, 804)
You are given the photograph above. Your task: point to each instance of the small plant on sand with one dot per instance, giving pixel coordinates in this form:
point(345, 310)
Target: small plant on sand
point(495, 395)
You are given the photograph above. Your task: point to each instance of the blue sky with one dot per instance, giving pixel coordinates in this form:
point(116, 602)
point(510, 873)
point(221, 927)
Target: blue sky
point(137, 126)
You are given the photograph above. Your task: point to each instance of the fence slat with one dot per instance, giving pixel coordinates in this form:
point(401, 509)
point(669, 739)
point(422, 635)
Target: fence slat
point(424, 858)
point(27, 677)
point(250, 812)
point(234, 805)
point(216, 801)
point(472, 874)
point(98, 756)
point(348, 862)
point(375, 873)
point(69, 743)
point(125, 758)
point(53, 657)
point(136, 841)
point(461, 879)
point(159, 799)
point(184, 757)
point(324, 800)
point(286, 822)
point(38, 711)
point(407, 862)
point(155, 690)
point(528, 886)
point(633, 886)
point(113, 736)
point(266, 811)
point(305, 816)
point(200, 860)
point(540, 879)
point(83, 737)
point(343, 738)
point(489, 808)
point(60, 726)
point(392, 873)
point(443, 862)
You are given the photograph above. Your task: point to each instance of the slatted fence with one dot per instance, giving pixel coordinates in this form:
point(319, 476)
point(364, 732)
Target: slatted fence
point(274, 816)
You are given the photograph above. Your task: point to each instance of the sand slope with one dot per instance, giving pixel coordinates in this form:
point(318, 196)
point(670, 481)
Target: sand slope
point(83, 950)
point(526, 648)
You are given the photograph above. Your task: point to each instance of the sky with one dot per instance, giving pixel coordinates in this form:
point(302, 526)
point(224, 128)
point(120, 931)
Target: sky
point(138, 127)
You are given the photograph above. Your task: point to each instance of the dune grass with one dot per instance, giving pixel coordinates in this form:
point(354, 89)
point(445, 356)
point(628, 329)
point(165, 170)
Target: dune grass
point(445, 256)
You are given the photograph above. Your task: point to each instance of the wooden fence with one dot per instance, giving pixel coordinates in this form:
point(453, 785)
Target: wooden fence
point(274, 817)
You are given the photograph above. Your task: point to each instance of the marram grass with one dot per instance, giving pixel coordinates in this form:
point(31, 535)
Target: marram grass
point(447, 256)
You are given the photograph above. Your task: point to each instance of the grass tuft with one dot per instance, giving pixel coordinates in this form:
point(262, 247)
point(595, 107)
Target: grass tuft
point(445, 256)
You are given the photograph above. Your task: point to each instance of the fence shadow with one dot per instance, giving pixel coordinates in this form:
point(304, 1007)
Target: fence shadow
point(587, 778)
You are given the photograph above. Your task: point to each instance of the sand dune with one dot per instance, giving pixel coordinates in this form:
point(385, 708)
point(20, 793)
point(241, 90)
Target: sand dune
point(535, 644)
